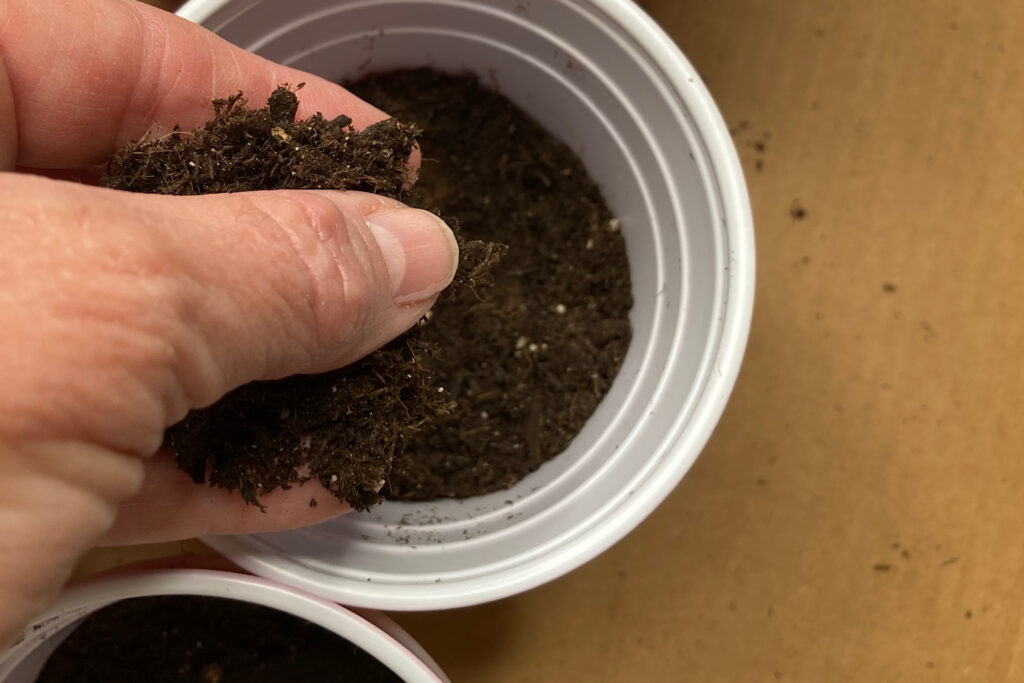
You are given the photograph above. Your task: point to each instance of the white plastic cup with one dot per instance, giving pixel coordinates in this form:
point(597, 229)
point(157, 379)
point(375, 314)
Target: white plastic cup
point(373, 632)
point(602, 76)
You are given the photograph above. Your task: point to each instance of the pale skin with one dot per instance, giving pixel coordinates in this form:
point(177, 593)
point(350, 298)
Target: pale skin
point(120, 312)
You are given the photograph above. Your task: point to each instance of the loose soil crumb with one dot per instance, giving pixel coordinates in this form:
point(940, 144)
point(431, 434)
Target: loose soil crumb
point(186, 639)
point(506, 368)
point(796, 211)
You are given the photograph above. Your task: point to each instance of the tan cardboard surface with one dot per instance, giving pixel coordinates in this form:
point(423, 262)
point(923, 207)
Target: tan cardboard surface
point(859, 514)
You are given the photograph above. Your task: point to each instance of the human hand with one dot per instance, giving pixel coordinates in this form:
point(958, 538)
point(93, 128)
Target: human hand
point(120, 312)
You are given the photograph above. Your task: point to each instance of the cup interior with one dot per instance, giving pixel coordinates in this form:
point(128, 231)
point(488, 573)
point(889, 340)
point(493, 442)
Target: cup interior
point(603, 78)
point(374, 633)
point(28, 668)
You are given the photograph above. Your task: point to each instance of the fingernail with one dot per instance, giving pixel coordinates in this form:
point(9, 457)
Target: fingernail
point(419, 251)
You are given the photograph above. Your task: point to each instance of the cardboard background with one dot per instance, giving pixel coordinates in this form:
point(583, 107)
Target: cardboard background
point(859, 514)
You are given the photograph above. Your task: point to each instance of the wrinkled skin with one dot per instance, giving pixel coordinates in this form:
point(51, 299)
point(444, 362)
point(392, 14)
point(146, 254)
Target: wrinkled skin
point(120, 312)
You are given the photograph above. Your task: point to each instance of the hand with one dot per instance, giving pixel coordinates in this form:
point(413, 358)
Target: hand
point(120, 312)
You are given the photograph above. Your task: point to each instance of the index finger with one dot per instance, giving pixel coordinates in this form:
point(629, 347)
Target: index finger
point(170, 506)
point(86, 77)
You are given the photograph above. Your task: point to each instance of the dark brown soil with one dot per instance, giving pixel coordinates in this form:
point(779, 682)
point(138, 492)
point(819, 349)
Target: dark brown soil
point(182, 639)
point(343, 427)
point(499, 378)
point(267, 149)
point(528, 360)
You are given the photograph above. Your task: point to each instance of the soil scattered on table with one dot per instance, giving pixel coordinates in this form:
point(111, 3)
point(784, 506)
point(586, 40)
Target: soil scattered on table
point(796, 211)
point(186, 639)
point(512, 360)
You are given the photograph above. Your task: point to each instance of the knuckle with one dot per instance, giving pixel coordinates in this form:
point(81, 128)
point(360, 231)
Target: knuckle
point(329, 246)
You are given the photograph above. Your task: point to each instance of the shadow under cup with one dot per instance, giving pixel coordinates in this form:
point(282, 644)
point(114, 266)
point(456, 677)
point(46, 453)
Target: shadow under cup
point(601, 76)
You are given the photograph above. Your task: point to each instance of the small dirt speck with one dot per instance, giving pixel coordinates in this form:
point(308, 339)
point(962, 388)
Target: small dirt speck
point(739, 128)
point(211, 673)
point(882, 567)
point(797, 212)
point(889, 287)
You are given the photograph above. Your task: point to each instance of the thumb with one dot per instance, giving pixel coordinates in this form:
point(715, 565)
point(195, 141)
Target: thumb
point(294, 282)
point(120, 312)
point(164, 304)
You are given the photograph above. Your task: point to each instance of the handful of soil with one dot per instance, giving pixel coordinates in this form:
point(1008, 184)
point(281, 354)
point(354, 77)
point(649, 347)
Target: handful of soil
point(343, 427)
point(497, 379)
point(181, 639)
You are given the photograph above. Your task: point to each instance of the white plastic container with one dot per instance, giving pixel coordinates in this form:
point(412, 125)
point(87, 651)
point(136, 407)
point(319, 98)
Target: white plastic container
point(603, 77)
point(373, 632)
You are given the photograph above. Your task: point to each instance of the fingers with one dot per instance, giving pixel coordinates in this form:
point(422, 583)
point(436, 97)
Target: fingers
point(170, 506)
point(147, 306)
point(120, 312)
point(89, 75)
point(54, 502)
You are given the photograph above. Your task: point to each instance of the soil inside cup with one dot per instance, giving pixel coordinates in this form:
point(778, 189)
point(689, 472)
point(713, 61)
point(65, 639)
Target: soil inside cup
point(512, 360)
point(527, 360)
point(189, 639)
